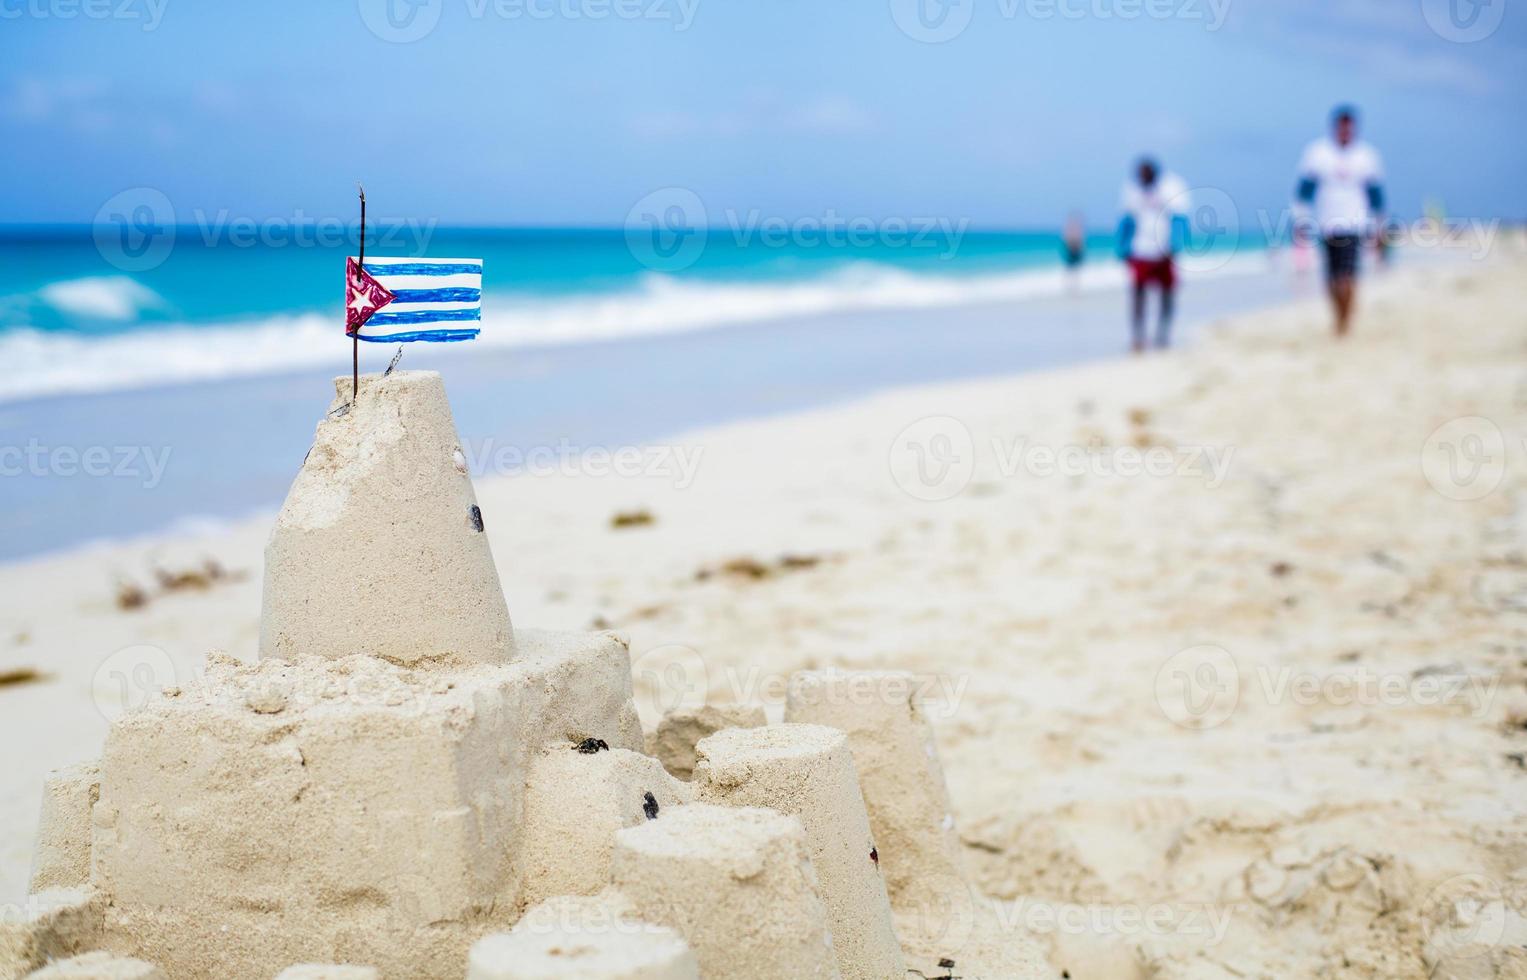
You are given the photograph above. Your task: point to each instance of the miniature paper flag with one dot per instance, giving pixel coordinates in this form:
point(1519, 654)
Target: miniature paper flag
point(363, 296)
point(419, 299)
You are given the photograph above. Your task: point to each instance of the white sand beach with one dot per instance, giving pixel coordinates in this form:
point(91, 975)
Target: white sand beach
point(1225, 649)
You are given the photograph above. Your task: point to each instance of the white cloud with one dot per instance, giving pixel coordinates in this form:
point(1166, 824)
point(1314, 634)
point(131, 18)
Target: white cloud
point(86, 106)
point(61, 100)
point(664, 124)
point(764, 112)
point(1387, 40)
point(832, 114)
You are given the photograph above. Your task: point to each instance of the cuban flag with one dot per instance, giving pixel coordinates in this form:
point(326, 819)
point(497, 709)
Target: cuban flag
point(393, 300)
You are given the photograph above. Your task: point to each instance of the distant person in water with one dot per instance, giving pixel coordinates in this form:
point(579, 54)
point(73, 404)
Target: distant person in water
point(1383, 246)
point(1340, 201)
point(1152, 230)
point(1073, 240)
point(1073, 247)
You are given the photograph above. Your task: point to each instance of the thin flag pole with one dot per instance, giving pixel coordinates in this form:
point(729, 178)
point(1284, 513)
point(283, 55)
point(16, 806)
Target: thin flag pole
point(355, 337)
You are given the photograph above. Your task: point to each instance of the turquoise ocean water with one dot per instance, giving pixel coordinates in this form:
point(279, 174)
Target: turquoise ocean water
point(88, 309)
point(216, 358)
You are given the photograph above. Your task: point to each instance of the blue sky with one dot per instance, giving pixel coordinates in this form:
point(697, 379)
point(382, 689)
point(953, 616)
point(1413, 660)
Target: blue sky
point(789, 107)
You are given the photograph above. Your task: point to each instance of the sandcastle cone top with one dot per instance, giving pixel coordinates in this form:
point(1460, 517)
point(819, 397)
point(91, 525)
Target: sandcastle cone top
point(380, 548)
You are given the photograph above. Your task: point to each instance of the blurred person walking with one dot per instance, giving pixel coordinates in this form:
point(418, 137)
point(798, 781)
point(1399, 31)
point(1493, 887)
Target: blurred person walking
point(1340, 201)
point(1153, 228)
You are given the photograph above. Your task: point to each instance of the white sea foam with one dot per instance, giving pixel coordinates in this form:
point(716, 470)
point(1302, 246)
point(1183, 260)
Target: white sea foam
point(102, 297)
point(41, 363)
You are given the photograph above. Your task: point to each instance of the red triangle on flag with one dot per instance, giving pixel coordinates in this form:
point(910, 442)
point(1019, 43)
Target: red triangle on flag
point(363, 295)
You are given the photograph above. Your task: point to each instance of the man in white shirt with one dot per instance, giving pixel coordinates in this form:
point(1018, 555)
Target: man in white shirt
point(1340, 199)
point(1152, 229)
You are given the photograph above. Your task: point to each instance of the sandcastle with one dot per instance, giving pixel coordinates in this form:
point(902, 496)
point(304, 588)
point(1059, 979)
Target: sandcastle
point(404, 785)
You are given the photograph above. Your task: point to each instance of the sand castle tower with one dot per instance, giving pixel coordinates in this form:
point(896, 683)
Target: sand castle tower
point(379, 548)
point(404, 786)
point(359, 794)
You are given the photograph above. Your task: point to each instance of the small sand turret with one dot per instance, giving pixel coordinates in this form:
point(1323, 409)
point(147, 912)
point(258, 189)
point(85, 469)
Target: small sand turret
point(898, 766)
point(806, 771)
point(736, 883)
point(575, 801)
point(379, 548)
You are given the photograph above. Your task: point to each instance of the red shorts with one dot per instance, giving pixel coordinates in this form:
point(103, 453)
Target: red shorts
point(1158, 271)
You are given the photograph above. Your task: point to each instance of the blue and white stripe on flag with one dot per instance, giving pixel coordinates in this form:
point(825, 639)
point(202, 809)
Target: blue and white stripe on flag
point(433, 299)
